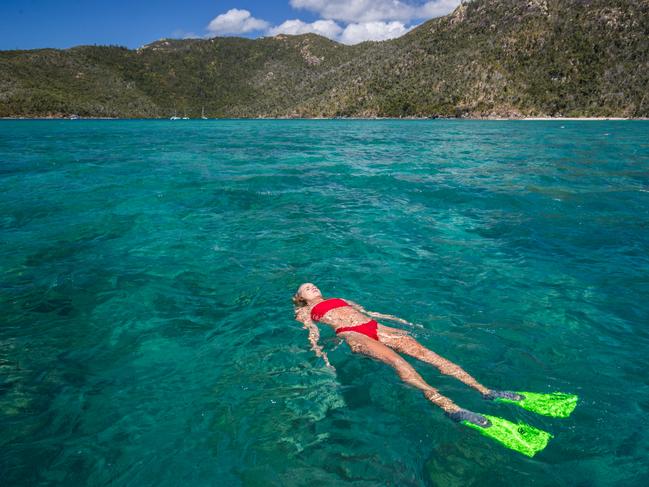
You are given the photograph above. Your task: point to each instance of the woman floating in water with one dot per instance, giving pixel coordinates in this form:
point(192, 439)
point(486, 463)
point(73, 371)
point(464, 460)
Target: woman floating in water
point(364, 335)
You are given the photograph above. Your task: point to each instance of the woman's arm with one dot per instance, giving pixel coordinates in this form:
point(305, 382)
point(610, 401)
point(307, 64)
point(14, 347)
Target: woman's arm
point(379, 316)
point(302, 315)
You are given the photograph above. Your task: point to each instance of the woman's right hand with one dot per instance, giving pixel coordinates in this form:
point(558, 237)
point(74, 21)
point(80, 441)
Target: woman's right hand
point(302, 314)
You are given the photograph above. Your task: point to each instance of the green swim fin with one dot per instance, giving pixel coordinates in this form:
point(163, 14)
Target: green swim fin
point(520, 437)
point(555, 405)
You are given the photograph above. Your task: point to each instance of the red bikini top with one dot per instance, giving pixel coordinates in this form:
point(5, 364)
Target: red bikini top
point(323, 307)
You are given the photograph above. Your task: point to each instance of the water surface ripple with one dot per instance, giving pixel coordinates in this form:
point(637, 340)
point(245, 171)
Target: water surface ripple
point(147, 335)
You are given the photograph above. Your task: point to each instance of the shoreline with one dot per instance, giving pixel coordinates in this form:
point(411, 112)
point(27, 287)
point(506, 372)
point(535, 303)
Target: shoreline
point(496, 119)
point(580, 119)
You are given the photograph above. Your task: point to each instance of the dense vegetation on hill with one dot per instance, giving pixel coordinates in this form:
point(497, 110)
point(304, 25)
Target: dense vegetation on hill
point(488, 58)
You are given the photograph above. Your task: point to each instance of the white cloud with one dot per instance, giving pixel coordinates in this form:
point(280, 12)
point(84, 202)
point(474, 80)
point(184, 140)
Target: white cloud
point(436, 9)
point(372, 31)
point(236, 21)
point(346, 21)
point(361, 11)
point(327, 28)
point(351, 34)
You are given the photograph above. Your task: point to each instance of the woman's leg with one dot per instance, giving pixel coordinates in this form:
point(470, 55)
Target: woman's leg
point(374, 349)
point(404, 343)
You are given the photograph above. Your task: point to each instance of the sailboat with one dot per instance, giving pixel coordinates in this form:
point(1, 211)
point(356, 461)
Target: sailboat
point(203, 117)
point(175, 117)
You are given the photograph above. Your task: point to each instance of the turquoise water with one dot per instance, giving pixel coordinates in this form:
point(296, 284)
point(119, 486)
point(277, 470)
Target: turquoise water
point(147, 334)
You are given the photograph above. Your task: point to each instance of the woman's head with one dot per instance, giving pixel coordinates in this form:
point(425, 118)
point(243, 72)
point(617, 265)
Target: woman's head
point(307, 293)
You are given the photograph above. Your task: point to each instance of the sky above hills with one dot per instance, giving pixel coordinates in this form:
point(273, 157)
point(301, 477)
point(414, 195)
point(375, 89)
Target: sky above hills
point(28, 24)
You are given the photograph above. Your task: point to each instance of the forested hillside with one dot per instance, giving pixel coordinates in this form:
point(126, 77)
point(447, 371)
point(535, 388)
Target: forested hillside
point(488, 58)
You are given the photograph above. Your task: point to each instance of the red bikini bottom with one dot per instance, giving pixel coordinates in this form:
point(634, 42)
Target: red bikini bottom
point(369, 329)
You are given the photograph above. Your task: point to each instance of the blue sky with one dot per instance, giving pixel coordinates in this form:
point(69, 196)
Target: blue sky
point(27, 24)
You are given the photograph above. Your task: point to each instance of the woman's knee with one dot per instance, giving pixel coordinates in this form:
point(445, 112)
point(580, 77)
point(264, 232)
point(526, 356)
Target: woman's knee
point(406, 372)
point(449, 368)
